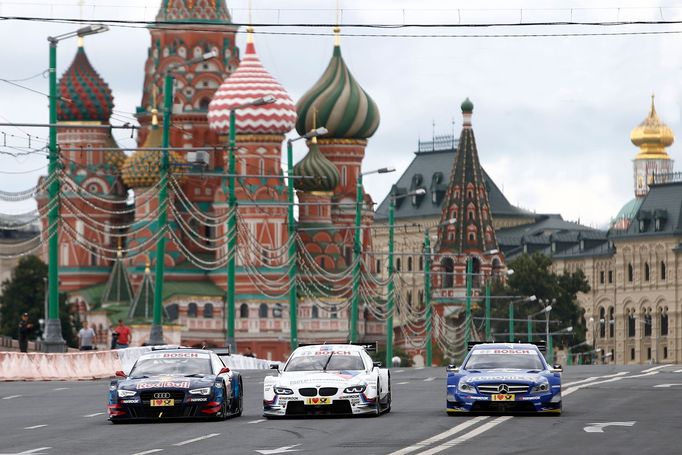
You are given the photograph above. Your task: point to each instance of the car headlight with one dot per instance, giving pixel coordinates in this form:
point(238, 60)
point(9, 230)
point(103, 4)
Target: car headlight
point(355, 389)
point(283, 391)
point(126, 393)
point(201, 391)
point(540, 388)
point(466, 388)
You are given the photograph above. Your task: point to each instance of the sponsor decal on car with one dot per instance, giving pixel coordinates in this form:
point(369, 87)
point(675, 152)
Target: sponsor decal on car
point(163, 384)
point(177, 355)
point(500, 378)
point(506, 351)
point(197, 400)
point(133, 400)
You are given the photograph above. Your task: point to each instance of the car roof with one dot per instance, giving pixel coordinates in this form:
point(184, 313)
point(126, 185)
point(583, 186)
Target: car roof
point(514, 346)
point(322, 348)
point(177, 353)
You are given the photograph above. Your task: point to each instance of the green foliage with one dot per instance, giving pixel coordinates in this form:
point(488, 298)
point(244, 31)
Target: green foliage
point(533, 276)
point(25, 293)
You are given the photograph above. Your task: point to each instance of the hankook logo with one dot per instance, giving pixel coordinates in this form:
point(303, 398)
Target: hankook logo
point(503, 388)
point(162, 395)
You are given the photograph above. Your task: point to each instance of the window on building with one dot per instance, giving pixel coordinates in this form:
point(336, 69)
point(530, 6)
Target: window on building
point(646, 271)
point(648, 353)
point(631, 325)
point(333, 314)
point(612, 322)
point(192, 310)
point(421, 263)
point(409, 263)
point(263, 310)
point(663, 271)
point(172, 311)
point(408, 298)
point(647, 324)
point(472, 237)
point(277, 310)
point(470, 194)
point(630, 273)
point(208, 310)
point(664, 322)
point(378, 265)
point(420, 296)
point(470, 214)
point(632, 354)
point(601, 277)
point(243, 311)
point(602, 323)
point(344, 175)
point(448, 267)
point(397, 265)
point(315, 312)
point(610, 276)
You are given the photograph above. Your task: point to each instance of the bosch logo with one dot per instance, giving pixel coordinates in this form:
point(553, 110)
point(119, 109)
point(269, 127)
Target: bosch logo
point(162, 395)
point(503, 388)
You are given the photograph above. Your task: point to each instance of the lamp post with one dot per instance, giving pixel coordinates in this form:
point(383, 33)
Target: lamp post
point(390, 298)
point(532, 298)
point(232, 216)
point(548, 307)
point(357, 250)
point(54, 342)
point(156, 331)
point(291, 227)
point(545, 310)
point(550, 347)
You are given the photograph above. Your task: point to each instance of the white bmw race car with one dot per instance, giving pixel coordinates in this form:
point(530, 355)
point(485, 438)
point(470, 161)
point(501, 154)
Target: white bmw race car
point(328, 379)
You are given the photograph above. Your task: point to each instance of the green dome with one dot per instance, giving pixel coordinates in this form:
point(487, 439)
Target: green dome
point(629, 210)
point(467, 105)
point(338, 103)
point(315, 164)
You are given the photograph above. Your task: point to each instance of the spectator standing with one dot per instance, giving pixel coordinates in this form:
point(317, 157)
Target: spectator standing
point(248, 352)
point(25, 329)
point(125, 336)
point(85, 337)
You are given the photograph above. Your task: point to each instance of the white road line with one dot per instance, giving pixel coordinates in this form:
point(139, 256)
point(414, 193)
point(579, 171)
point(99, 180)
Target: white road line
point(40, 449)
point(665, 386)
point(34, 427)
point(570, 390)
point(404, 382)
point(594, 378)
point(62, 388)
point(200, 438)
point(10, 397)
point(148, 451)
point(257, 421)
point(429, 379)
point(677, 371)
point(439, 437)
point(655, 368)
point(399, 371)
point(94, 414)
point(460, 439)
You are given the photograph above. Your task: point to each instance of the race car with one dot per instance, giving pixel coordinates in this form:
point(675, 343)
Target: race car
point(509, 377)
point(176, 383)
point(328, 379)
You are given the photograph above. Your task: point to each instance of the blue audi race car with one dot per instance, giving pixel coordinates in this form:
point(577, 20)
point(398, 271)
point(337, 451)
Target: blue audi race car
point(504, 378)
point(176, 383)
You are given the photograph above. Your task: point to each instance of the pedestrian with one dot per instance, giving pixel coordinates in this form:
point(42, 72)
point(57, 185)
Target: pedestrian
point(125, 336)
point(25, 329)
point(85, 337)
point(248, 352)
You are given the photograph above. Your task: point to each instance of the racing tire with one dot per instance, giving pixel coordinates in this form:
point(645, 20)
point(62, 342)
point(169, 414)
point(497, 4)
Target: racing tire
point(224, 414)
point(240, 401)
point(377, 407)
point(388, 397)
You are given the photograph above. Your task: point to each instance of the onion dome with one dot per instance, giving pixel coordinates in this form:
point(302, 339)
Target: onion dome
point(316, 165)
point(467, 105)
point(142, 168)
point(249, 82)
point(114, 158)
point(652, 136)
point(339, 103)
point(193, 11)
point(83, 94)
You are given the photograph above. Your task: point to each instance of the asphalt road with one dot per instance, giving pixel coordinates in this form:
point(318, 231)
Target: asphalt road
point(643, 402)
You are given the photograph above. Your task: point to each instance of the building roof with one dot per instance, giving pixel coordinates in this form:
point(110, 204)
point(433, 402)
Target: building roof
point(118, 289)
point(430, 170)
point(660, 212)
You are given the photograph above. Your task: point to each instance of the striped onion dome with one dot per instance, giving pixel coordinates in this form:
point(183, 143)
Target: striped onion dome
point(193, 11)
point(316, 165)
point(142, 168)
point(249, 82)
point(338, 103)
point(83, 94)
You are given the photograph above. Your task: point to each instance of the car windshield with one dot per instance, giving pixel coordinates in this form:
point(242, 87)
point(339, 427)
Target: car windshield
point(484, 359)
point(160, 366)
point(323, 361)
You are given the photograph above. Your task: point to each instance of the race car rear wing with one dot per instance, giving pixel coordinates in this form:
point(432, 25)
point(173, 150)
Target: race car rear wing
point(541, 345)
point(369, 347)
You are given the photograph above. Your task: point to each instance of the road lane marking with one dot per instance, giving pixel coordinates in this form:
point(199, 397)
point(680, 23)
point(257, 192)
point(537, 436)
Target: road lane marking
point(439, 437)
point(148, 451)
point(62, 388)
point(257, 421)
point(37, 451)
point(594, 378)
point(403, 383)
point(570, 390)
point(655, 368)
point(465, 437)
point(665, 386)
point(34, 427)
point(677, 371)
point(284, 449)
point(599, 427)
point(399, 371)
point(429, 379)
point(10, 397)
point(200, 438)
point(94, 414)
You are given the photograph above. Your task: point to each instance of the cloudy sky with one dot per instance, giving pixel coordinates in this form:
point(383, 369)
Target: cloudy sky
point(552, 115)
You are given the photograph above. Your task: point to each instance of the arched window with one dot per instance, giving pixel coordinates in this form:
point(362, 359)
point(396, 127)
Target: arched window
point(421, 263)
point(208, 310)
point(646, 271)
point(172, 311)
point(612, 323)
point(243, 311)
point(332, 313)
point(263, 310)
point(631, 324)
point(397, 265)
point(602, 322)
point(378, 265)
point(203, 104)
point(315, 312)
point(630, 273)
point(448, 266)
point(192, 310)
point(277, 311)
point(647, 324)
point(409, 263)
point(664, 322)
point(663, 270)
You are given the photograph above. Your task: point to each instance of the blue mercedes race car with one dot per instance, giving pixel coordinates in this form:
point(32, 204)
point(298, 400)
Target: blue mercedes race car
point(176, 383)
point(504, 378)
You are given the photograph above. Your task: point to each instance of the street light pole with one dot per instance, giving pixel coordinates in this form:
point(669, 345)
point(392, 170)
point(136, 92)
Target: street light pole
point(53, 340)
point(467, 312)
point(487, 311)
point(427, 299)
point(390, 290)
point(511, 322)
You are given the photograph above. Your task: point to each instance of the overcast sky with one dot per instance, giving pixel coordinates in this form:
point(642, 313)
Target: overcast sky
point(552, 115)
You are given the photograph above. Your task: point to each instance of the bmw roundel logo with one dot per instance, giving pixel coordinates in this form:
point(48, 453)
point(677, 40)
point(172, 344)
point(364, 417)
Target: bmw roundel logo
point(162, 395)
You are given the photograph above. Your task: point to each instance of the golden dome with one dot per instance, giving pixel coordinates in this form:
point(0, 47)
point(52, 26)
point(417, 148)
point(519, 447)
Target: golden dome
point(142, 168)
point(652, 136)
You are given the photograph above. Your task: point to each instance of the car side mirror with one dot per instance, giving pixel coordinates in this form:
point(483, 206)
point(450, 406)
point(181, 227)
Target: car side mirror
point(120, 374)
point(556, 368)
point(452, 369)
point(224, 370)
point(377, 364)
point(274, 366)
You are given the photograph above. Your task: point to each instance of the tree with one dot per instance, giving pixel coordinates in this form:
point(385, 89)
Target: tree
point(25, 293)
point(533, 276)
